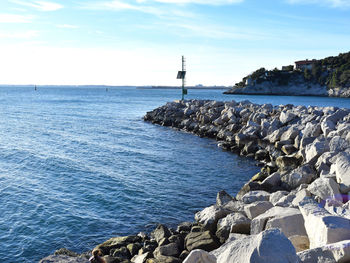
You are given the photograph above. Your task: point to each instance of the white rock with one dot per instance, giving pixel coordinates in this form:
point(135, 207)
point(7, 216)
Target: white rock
point(223, 198)
point(276, 196)
point(315, 149)
point(331, 253)
point(209, 216)
point(200, 256)
point(270, 246)
point(300, 195)
point(325, 188)
point(286, 201)
point(286, 116)
point(232, 223)
point(288, 220)
point(257, 208)
point(302, 175)
point(323, 228)
point(342, 169)
point(254, 196)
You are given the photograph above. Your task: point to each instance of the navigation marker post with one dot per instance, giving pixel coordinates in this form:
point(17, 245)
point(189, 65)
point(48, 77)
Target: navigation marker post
point(182, 75)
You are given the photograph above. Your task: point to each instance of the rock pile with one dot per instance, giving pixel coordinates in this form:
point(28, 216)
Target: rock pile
point(296, 209)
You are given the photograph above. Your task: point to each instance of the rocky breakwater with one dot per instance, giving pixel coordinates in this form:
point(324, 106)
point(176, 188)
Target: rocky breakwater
point(295, 209)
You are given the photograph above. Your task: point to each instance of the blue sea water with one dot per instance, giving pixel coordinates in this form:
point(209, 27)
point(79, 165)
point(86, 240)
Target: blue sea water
point(78, 165)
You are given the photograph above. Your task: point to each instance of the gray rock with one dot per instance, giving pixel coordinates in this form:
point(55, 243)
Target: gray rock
point(161, 232)
point(223, 198)
point(286, 116)
point(63, 259)
point(257, 208)
point(201, 240)
point(232, 223)
point(325, 188)
point(315, 149)
point(270, 246)
point(276, 196)
point(301, 175)
point(209, 217)
point(316, 255)
point(171, 250)
point(254, 196)
point(342, 169)
point(200, 256)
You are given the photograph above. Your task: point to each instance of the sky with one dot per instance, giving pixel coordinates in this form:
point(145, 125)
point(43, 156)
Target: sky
point(140, 42)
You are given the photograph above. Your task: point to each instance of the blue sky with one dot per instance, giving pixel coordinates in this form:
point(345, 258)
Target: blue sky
point(140, 42)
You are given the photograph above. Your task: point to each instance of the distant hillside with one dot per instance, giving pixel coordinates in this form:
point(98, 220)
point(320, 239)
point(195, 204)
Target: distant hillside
point(324, 77)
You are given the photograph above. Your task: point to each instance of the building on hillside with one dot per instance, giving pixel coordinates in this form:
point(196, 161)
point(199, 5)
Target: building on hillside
point(304, 64)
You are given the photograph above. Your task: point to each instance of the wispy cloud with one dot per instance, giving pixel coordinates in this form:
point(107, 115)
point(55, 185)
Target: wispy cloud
point(138, 5)
point(202, 2)
point(67, 26)
point(39, 5)
point(331, 3)
point(13, 18)
point(19, 35)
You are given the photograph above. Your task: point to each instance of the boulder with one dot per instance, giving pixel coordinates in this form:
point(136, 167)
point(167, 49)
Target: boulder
point(161, 232)
point(315, 149)
point(254, 196)
point(301, 175)
point(342, 169)
point(117, 242)
point(200, 256)
point(288, 162)
point(286, 201)
point(325, 188)
point(209, 217)
point(223, 198)
point(299, 196)
point(286, 116)
point(316, 255)
point(276, 196)
point(257, 208)
point(167, 250)
point(270, 246)
point(63, 259)
point(141, 258)
point(323, 228)
point(232, 223)
point(288, 220)
point(201, 240)
point(235, 206)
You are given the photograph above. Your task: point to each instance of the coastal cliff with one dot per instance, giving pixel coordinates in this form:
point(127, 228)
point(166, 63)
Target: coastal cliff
point(324, 77)
point(295, 209)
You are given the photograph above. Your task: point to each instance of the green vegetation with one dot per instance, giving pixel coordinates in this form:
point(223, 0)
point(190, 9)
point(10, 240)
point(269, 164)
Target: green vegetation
point(334, 72)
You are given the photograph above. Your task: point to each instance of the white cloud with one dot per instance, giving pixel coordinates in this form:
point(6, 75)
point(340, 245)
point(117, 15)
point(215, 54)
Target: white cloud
point(12, 18)
point(39, 5)
point(332, 3)
point(21, 35)
point(67, 26)
point(203, 2)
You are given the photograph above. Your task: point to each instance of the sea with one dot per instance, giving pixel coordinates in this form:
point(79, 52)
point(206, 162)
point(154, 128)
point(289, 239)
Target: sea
point(78, 165)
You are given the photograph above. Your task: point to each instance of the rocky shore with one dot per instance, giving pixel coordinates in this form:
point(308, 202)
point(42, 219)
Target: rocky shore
point(296, 209)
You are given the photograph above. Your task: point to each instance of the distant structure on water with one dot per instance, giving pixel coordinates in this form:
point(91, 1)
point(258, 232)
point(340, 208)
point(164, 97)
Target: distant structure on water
point(182, 75)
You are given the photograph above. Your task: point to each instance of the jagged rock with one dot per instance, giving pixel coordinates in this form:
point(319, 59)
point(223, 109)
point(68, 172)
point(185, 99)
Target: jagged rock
point(167, 250)
point(288, 162)
point(117, 242)
point(223, 198)
point(257, 208)
point(276, 196)
point(286, 201)
point(232, 223)
point(161, 232)
point(133, 248)
point(141, 258)
point(63, 259)
point(122, 253)
point(288, 220)
point(201, 240)
point(323, 228)
point(286, 116)
point(325, 188)
point(254, 196)
point(338, 144)
point(312, 130)
point(288, 149)
point(342, 169)
point(316, 255)
point(184, 227)
point(164, 259)
point(209, 216)
point(299, 196)
point(270, 246)
point(200, 256)
point(301, 175)
point(272, 182)
point(235, 206)
point(64, 251)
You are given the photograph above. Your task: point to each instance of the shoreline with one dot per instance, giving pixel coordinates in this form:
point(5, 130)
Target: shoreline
point(305, 153)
